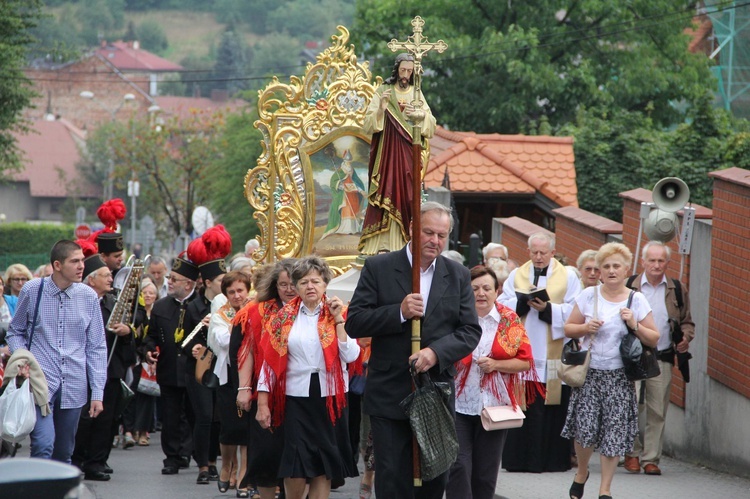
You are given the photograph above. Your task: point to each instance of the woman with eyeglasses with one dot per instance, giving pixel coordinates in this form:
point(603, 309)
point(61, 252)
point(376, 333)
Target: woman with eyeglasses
point(16, 276)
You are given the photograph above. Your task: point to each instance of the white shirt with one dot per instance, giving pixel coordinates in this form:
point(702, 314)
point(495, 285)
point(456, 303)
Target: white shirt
point(306, 357)
point(536, 329)
point(219, 332)
point(472, 398)
point(606, 352)
point(656, 296)
point(425, 280)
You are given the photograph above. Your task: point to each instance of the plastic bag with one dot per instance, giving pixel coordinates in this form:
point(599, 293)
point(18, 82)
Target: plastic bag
point(433, 425)
point(148, 384)
point(17, 412)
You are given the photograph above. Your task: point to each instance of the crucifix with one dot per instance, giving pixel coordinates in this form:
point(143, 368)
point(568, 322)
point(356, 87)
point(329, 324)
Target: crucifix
point(417, 46)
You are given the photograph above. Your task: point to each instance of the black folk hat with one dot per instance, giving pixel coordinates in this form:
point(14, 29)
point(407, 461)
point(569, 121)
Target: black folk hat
point(110, 242)
point(213, 269)
point(185, 268)
point(92, 264)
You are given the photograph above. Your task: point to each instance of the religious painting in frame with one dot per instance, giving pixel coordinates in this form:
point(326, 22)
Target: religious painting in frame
point(307, 186)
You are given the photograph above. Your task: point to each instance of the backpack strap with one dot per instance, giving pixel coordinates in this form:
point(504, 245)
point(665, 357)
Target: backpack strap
point(36, 311)
point(629, 282)
point(678, 293)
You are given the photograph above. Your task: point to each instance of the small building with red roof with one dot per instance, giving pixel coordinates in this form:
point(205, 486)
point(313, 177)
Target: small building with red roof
point(493, 175)
point(49, 177)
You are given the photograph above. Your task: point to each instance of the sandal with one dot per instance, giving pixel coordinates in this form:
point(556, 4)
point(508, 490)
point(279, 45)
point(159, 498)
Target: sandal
point(576, 490)
point(223, 486)
point(243, 493)
point(365, 491)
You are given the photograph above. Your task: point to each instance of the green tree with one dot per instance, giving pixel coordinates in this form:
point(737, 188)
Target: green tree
point(171, 160)
point(152, 37)
point(241, 147)
point(17, 17)
point(231, 62)
point(509, 63)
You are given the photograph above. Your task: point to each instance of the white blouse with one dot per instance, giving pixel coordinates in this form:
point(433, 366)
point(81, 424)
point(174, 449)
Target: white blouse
point(606, 352)
point(219, 332)
point(306, 357)
point(473, 398)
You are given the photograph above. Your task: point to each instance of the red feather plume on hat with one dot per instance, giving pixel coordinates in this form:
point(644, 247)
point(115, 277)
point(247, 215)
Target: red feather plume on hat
point(89, 248)
point(218, 242)
point(196, 252)
point(110, 212)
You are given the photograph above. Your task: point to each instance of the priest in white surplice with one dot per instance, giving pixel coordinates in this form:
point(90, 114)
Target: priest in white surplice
point(537, 446)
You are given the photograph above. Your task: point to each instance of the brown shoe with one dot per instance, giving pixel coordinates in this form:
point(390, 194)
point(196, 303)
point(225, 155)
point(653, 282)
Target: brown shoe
point(632, 465)
point(651, 469)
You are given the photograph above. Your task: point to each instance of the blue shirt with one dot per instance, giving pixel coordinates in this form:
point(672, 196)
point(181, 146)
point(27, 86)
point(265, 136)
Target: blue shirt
point(68, 340)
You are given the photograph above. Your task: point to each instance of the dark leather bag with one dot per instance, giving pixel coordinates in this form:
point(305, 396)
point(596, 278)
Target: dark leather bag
point(204, 369)
point(640, 361)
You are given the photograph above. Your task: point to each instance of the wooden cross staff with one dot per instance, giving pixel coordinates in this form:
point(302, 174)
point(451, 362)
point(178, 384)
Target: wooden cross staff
point(417, 46)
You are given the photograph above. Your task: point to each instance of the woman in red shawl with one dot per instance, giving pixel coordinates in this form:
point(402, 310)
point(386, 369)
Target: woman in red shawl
point(273, 288)
point(303, 384)
point(488, 377)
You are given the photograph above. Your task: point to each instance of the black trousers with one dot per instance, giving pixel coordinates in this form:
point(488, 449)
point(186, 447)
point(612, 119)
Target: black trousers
point(176, 439)
point(205, 429)
point(393, 453)
point(474, 474)
point(94, 435)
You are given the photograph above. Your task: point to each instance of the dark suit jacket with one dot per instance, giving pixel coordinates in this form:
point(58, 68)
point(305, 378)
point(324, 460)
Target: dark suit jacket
point(124, 355)
point(165, 319)
point(449, 327)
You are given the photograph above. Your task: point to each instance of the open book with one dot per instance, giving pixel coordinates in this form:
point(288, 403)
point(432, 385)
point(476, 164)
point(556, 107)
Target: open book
point(540, 293)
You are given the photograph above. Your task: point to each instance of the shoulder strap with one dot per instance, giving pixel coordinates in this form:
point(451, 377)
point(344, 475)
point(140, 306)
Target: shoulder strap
point(678, 293)
point(630, 299)
point(629, 282)
point(36, 311)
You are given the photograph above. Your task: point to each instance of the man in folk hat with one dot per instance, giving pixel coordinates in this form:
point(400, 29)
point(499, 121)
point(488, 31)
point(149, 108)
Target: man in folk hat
point(166, 331)
point(94, 436)
point(110, 242)
point(212, 266)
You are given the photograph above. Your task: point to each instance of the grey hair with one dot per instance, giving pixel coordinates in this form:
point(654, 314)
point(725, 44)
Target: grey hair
point(585, 256)
point(309, 264)
point(241, 262)
point(455, 256)
point(651, 244)
point(266, 289)
point(493, 246)
point(156, 260)
point(434, 206)
point(542, 236)
point(252, 243)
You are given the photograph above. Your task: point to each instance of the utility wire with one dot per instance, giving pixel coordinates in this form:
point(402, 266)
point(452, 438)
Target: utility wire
point(437, 61)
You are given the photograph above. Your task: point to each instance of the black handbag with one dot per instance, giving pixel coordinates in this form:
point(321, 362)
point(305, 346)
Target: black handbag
point(432, 423)
point(572, 355)
point(640, 361)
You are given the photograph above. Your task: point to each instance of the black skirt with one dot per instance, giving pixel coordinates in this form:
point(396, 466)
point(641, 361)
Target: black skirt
point(312, 445)
point(234, 428)
point(263, 452)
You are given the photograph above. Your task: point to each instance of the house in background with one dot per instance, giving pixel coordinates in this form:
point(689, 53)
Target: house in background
point(499, 176)
point(51, 151)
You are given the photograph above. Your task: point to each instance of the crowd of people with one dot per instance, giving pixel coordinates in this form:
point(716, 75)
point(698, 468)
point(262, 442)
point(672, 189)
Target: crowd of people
point(254, 367)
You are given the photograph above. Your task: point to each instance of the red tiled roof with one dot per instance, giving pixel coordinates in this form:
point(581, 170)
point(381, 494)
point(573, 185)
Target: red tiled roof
point(124, 57)
point(183, 107)
point(504, 164)
point(699, 33)
point(51, 152)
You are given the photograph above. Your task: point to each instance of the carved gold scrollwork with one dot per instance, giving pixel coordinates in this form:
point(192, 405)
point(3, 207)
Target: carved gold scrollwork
point(334, 93)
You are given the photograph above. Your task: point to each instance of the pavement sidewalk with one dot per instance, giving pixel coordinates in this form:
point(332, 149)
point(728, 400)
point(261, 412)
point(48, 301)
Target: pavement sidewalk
point(678, 480)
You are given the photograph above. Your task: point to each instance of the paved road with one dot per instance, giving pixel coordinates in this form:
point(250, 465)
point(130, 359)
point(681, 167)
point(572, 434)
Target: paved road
point(138, 475)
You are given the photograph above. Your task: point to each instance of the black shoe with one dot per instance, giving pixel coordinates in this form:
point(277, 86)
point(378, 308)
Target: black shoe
point(202, 478)
point(97, 476)
point(213, 473)
point(107, 469)
point(170, 470)
point(184, 462)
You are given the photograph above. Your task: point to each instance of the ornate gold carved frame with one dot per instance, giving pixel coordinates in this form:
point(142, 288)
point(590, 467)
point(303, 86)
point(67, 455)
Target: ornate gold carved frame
point(297, 120)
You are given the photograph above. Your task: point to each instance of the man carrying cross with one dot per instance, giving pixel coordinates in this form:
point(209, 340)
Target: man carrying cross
point(390, 118)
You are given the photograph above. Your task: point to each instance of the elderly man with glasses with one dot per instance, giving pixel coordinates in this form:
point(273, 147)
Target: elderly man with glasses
point(166, 331)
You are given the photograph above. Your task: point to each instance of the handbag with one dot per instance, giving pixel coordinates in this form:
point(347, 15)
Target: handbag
point(575, 362)
point(204, 368)
point(147, 384)
point(639, 360)
point(17, 412)
point(502, 417)
point(432, 423)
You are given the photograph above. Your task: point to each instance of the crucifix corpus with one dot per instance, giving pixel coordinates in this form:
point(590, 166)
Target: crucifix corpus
point(417, 46)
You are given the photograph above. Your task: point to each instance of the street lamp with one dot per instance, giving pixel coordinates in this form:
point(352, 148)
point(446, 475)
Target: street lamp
point(133, 192)
point(86, 94)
